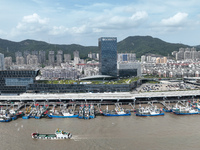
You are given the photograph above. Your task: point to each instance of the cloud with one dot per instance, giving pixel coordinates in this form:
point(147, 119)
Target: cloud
point(58, 30)
point(31, 24)
point(112, 22)
point(35, 18)
point(62, 30)
point(176, 20)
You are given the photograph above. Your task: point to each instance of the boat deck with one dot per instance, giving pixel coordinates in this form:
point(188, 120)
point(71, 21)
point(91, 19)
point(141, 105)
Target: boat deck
point(46, 135)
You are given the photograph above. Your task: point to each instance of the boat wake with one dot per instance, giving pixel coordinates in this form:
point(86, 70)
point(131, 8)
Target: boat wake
point(79, 137)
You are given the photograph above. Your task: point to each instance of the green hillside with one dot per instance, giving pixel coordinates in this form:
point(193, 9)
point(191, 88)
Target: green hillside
point(8, 48)
point(137, 44)
point(142, 45)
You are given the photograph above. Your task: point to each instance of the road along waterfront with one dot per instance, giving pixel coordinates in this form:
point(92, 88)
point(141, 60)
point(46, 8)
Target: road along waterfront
point(120, 96)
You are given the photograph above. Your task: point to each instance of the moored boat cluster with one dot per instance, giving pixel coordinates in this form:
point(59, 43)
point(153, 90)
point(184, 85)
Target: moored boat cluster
point(88, 111)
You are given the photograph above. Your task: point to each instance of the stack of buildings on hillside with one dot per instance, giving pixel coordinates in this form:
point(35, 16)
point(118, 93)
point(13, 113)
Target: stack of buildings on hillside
point(186, 54)
point(106, 62)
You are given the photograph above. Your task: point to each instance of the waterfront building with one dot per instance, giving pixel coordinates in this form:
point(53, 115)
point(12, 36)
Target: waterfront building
point(129, 69)
point(108, 56)
point(16, 81)
point(51, 58)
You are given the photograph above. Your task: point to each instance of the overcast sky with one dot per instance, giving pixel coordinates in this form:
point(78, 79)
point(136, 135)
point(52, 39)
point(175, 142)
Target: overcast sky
point(84, 21)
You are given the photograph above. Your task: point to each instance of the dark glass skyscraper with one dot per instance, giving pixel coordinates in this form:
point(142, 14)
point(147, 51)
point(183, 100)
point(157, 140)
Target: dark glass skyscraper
point(108, 56)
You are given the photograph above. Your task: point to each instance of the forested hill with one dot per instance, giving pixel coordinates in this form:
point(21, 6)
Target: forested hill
point(146, 44)
point(137, 44)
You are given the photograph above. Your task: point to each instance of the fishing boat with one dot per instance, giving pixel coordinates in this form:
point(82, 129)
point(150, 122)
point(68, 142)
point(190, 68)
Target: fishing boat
point(167, 106)
point(187, 110)
point(4, 115)
point(167, 109)
point(59, 134)
point(40, 111)
point(64, 113)
point(92, 114)
point(149, 111)
point(5, 118)
point(195, 104)
point(86, 112)
point(27, 113)
point(80, 112)
point(118, 111)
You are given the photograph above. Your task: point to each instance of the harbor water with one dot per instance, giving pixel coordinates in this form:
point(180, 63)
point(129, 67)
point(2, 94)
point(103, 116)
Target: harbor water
point(105, 133)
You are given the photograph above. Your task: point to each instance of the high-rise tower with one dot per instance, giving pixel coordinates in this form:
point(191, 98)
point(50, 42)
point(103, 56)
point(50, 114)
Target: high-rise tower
point(108, 56)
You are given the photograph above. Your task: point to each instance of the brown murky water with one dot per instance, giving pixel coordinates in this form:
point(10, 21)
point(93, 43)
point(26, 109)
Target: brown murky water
point(106, 133)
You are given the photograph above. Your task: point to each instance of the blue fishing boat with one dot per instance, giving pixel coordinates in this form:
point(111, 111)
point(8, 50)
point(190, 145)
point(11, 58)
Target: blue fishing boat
point(5, 119)
point(26, 117)
point(27, 113)
point(167, 110)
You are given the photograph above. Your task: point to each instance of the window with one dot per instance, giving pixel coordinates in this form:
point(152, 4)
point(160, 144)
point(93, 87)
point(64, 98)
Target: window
point(18, 81)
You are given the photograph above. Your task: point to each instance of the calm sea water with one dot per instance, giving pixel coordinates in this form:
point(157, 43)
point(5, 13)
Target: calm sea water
point(106, 133)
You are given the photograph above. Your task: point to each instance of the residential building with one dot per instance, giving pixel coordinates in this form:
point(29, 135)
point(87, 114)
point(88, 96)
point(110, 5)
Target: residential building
point(8, 62)
point(42, 57)
point(67, 57)
point(51, 58)
point(2, 62)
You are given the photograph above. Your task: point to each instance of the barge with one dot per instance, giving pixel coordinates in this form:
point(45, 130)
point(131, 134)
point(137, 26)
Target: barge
point(59, 134)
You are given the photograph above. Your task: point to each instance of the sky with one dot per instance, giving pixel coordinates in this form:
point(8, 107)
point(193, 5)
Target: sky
point(84, 21)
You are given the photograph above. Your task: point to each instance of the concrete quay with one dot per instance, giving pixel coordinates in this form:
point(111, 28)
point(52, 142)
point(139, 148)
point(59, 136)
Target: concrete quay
point(100, 97)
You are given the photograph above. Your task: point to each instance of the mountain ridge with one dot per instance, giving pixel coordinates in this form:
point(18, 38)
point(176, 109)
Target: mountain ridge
point(140, 45)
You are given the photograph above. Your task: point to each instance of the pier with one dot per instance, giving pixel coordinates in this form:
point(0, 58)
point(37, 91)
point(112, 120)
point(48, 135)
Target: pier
point(102, 97)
